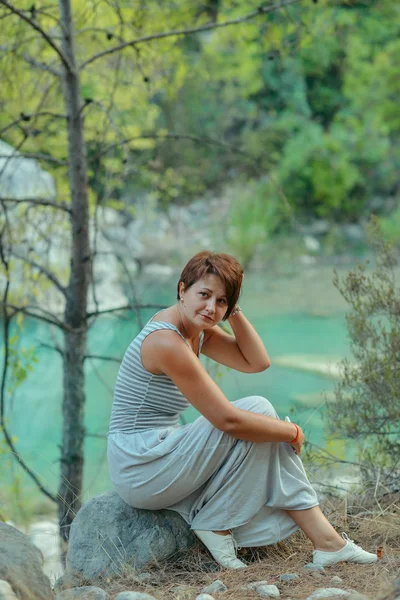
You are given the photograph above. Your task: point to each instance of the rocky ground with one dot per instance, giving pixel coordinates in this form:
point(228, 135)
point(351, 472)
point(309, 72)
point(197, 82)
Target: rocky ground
point(279, 571)
point(282, 570)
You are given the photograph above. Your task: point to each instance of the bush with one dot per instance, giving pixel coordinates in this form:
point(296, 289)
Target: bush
point(368, 394)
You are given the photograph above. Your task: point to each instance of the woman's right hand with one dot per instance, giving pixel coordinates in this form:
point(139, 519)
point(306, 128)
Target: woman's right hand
point(300, 441)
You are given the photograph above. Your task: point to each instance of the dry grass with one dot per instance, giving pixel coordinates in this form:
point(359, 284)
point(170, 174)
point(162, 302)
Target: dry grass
point(184, 576)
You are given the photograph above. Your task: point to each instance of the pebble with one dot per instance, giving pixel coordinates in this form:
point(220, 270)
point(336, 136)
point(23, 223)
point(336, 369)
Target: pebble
point(86, 592)
point(144, 578)
point(134, 596)
point(6, 591)
point(182, 587)
point(287, 577)
point(268, 591)
point(317, 575)
point(336, 579)
point(312, 567)
point(210, 567)
point(328, 593)
point(214, 587)
point(253, 585)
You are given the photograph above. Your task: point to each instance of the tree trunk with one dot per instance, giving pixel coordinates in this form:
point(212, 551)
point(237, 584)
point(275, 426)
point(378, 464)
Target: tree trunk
point(72, 457)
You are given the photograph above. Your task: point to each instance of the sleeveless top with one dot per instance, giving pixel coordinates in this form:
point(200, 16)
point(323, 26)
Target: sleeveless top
point(143, 400)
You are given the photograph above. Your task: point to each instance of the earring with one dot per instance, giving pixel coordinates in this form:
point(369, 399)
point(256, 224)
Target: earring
point(182, 299)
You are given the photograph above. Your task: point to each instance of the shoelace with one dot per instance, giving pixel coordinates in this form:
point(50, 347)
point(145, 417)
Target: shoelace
point(235, 544)
point(230, 541)
point(349, 541)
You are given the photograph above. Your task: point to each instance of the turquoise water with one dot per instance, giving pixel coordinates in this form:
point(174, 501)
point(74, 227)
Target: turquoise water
point(34, 411)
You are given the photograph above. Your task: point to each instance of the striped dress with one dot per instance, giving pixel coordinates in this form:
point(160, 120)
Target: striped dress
point(213, 480)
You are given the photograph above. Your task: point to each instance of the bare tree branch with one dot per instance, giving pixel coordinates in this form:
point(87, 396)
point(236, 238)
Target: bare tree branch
point(101, 436)
point(27, 117)
point(30, 311)
point(6, 330)
point(100, 357)
point(51, 347)
point(128, 274)
point(37, 202)
point(46, 272)
point(178, 136)
point(39, 156)
point(261, 10)
point(131, 307)
point(332, 458)
point(14, 153)
point(37, 27)
point(32, 61)
point(107, 111)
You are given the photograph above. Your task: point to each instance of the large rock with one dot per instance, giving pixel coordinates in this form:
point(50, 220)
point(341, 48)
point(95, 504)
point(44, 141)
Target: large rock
point(82, 593)
point(109, 537)
point(21, 565)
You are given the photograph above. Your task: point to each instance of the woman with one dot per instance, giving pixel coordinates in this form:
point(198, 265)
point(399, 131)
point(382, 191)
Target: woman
point(233, 474)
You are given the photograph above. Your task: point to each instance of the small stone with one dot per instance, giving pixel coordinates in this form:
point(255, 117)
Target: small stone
point(268, 591)
point(67, 581)
point(210, 567)
point(287, 577)
point(184, 592)
point(254, 585)
point(328, 593)
point(317, 575)
point(6, 591)
point(312, 567)
point(144, 578)
point(134, 596)
point(204, 597)
point(336, 579)
point(214, 587)
point(86, 592)
point(182, 587)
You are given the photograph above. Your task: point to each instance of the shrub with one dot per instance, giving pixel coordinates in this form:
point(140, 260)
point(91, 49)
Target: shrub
point(368, 394)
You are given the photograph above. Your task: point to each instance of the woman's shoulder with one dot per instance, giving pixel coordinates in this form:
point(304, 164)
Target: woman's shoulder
point(162, 334)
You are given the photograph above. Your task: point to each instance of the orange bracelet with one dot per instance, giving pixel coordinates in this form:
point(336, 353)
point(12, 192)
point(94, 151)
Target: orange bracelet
point(296, 439)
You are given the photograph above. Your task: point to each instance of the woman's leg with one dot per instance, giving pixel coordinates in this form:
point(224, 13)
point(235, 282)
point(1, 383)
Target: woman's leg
point(317, 528)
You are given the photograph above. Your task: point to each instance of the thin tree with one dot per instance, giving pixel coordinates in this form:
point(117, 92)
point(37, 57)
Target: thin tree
point(62, 66)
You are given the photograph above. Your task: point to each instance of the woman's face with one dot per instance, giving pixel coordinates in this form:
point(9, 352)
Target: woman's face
point(205, 302)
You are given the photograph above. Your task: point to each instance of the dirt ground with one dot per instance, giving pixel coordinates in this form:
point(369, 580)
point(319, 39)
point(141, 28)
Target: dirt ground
point(184, 576)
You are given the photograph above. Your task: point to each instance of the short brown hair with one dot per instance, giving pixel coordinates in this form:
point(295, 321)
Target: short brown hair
point(224, 266)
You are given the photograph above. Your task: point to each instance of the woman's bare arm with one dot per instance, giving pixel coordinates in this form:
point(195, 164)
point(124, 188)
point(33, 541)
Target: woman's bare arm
point(243, 351)
point(176, 360)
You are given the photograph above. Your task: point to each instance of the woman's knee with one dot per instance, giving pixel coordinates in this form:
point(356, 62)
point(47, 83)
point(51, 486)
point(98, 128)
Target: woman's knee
point(257, 404)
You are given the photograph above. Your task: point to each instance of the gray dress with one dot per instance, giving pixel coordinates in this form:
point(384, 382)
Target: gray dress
point(213, 480)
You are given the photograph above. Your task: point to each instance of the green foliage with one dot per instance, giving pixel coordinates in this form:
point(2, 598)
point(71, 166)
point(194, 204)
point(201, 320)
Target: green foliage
point(21, 359)
point(255, 214)
point(391, 227)
point(311, 92)
point(368, 394)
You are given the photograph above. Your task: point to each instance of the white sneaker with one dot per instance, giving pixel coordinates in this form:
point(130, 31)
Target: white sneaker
point(222, 548)
point(349, 553)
